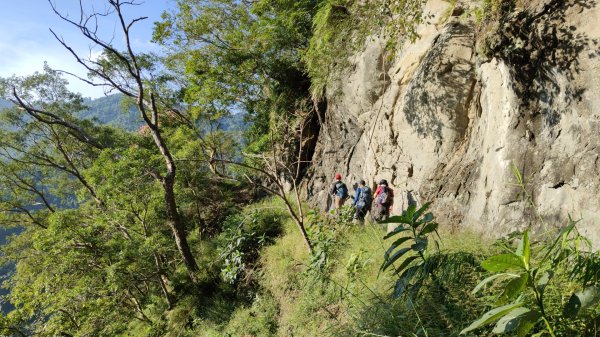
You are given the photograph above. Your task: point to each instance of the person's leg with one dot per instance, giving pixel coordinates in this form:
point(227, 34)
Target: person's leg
point(355, 217)
point(361, 215)
point(384, 213)
point(377, 212)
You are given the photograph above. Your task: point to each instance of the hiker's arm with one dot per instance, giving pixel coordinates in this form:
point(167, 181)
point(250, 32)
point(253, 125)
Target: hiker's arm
point(356, 196)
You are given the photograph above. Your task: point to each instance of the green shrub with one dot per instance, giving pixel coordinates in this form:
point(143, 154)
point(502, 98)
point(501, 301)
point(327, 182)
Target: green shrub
point(243, 236)
point(257, 320)
point(527, 272)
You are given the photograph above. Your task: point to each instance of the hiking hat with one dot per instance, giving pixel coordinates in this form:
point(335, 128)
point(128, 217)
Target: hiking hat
point(338, 176)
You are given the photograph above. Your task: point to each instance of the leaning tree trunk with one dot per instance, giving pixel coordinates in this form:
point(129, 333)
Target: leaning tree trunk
point(174, 219)
point(127, 78)
point(178, 228)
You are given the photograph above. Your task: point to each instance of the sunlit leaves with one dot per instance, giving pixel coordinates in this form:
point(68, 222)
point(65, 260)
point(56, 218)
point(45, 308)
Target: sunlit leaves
point(239, 56)
point(491, 316)
point(417, 225)
point(500, 263)
point(513, 288)
point(527, 288)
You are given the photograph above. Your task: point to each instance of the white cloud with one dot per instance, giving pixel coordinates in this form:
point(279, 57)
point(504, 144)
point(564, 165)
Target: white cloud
point(23, 57)
point(26, 42)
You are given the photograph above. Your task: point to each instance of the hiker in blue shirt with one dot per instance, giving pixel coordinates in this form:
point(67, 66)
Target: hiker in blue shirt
point(362, 201)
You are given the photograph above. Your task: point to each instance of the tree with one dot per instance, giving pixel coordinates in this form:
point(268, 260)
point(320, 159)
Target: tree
point(126, 72)
point(239, 55)
point(100, 209)
point(43, 149)
point(92, 202)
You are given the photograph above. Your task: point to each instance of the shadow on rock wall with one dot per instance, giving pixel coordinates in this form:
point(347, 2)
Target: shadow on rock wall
point(441, 85)
point(542, 47)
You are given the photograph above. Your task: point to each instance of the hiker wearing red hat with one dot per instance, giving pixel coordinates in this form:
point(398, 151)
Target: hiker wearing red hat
point(339, 191)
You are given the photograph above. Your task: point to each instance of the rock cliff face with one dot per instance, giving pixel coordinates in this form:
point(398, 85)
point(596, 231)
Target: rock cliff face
point(443, 123)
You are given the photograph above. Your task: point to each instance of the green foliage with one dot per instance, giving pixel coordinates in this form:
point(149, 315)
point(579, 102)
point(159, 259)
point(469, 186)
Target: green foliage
point(95, 252)
point(348, 297)
point(341, 28)
point(322, 234)
point(526, 273)
point(240, 56)
point(259, 319)
point(243, 237)
point(415, 267)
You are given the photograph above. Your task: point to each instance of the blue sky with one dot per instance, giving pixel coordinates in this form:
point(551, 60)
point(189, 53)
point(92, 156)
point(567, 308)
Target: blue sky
point(26, 42)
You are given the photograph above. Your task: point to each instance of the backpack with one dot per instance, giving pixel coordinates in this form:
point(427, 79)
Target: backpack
point(341, 190)
point(384, 198)
point(364, 198)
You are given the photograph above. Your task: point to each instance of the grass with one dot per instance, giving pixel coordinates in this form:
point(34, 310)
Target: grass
point(345, 294)
point(350, 297)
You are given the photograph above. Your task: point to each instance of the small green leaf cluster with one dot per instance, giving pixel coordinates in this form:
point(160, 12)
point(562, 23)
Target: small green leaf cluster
point(323, 233)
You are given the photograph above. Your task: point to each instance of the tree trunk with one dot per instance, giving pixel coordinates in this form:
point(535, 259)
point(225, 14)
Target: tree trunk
point(178, 228)
point(168, 182)
point(299, 222)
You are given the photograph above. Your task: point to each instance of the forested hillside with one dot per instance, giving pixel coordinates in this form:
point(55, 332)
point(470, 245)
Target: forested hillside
point(197, 200)
point(111, 110)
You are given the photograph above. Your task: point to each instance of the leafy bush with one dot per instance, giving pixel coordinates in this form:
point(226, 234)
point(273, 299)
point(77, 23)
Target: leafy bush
point(323, 239)
point(259, 319)
point(526, 274)
point(243, 236)
point(324, 232)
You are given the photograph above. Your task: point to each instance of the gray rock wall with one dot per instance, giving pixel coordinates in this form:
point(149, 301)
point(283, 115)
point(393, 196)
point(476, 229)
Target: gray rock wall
point(447, 125)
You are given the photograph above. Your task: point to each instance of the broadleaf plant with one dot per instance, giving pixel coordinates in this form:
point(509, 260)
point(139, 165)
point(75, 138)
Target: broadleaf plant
point(414, 268)
point(520, 306)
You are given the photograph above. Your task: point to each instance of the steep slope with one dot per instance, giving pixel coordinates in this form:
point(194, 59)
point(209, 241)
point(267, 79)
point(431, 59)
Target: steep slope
point(449, 116)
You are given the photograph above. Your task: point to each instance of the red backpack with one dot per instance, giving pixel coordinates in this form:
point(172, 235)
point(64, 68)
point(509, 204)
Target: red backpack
point(384, 198)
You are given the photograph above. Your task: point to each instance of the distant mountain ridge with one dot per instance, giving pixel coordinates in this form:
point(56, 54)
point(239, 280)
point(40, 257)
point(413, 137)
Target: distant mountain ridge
point(109, 110)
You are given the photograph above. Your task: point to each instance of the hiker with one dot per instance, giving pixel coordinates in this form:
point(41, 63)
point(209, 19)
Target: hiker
point(384, 199)
point(339, 191)
point(362, 201)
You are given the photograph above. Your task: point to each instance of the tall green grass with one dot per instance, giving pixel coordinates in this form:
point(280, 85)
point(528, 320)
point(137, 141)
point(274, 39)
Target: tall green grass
point(350, 297)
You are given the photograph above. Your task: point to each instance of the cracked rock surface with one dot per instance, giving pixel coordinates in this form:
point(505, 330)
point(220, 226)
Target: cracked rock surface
point(442, 123)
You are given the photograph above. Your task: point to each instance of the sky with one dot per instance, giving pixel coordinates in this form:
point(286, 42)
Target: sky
point(26, 41)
